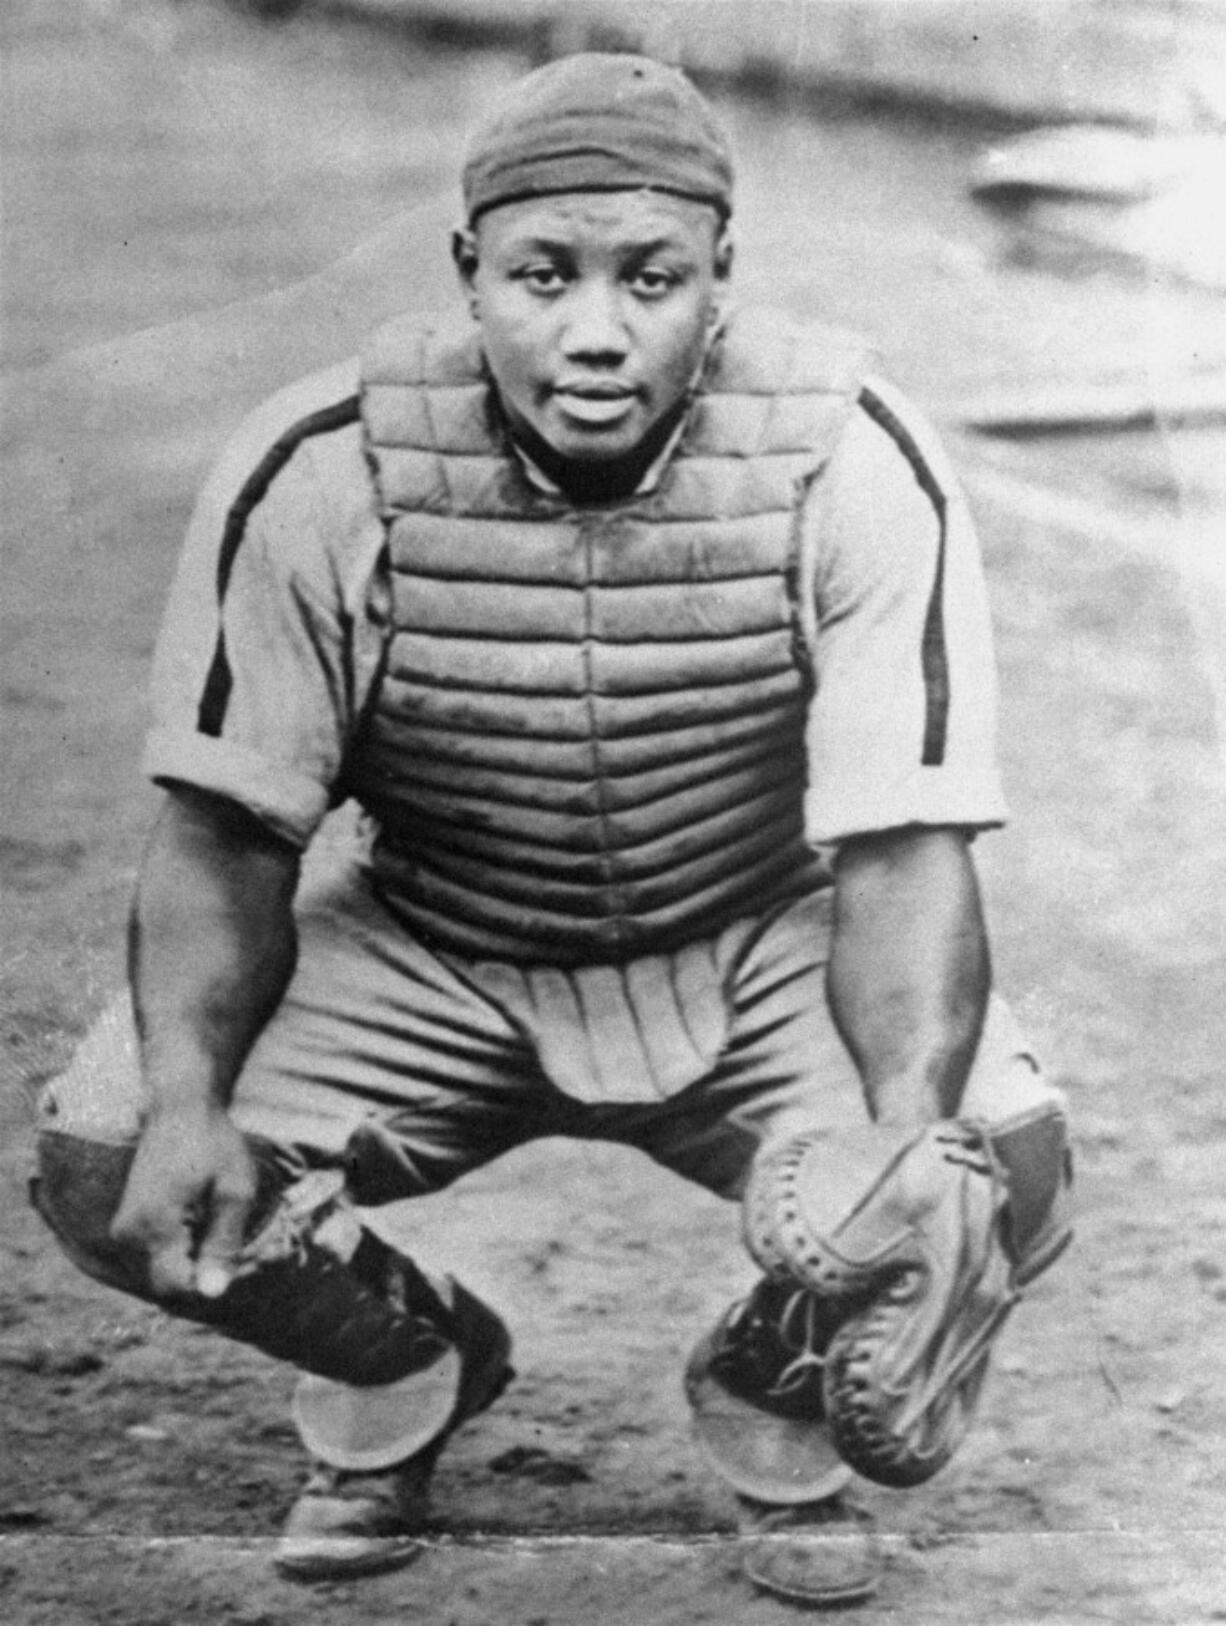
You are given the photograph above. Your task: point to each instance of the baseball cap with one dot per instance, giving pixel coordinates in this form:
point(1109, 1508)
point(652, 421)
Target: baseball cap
point(598, 122)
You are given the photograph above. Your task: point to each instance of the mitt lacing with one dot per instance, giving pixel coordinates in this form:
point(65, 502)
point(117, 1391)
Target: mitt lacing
point(968, 1143)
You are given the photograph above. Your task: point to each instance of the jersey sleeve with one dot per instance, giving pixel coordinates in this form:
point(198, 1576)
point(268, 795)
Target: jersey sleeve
point(902, 726)
point(268, 643)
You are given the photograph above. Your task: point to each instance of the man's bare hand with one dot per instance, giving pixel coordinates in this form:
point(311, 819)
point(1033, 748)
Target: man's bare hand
point(189, 1193)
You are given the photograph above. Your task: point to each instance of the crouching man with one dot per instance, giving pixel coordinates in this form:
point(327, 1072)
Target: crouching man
point(650, 638)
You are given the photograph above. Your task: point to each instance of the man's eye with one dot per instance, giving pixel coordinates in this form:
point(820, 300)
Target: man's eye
point(651, 282)
point(543, 279)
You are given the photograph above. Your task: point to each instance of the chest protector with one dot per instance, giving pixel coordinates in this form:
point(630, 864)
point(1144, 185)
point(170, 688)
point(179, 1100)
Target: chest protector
point(588, 743)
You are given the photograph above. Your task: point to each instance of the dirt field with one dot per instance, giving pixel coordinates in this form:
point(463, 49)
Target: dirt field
point(200, 206)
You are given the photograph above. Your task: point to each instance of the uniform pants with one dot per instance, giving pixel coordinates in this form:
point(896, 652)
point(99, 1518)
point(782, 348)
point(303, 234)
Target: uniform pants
point(398, 1069)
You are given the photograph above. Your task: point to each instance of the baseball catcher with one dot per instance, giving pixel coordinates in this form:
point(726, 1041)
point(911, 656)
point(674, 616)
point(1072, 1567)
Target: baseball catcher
point(647, 636)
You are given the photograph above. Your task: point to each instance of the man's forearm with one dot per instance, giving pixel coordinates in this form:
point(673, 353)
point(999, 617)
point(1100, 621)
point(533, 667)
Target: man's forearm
point(213, 946)
point(909, 971)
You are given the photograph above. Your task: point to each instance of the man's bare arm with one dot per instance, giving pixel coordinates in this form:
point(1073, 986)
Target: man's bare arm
point(909, 971)
point(212, 949)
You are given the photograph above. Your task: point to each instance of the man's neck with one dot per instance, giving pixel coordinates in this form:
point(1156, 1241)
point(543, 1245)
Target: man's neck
point(589, 480)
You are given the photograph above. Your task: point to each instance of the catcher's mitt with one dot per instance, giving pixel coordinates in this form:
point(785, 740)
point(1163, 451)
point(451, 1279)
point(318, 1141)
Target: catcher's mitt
point(925, 1241)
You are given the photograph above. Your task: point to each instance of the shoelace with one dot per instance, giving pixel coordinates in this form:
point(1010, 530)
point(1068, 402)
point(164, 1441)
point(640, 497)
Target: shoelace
point(969, 1144)
point(802, 1340)
point(796, 1329)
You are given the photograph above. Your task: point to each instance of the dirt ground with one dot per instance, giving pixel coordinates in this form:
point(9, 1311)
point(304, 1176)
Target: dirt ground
point(200, 206)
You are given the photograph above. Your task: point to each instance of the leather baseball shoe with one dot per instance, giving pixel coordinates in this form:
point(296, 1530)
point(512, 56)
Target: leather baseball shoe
point(821, 1555)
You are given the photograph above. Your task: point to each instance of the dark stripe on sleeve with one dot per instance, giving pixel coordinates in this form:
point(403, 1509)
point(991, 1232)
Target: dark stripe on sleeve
point(216, 694)
point(934, 656)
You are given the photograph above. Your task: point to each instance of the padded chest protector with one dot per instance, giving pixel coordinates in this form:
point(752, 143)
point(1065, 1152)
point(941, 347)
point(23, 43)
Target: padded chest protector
point(589, 740)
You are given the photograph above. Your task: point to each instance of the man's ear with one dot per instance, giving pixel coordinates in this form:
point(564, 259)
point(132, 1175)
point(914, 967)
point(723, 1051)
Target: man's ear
point(464, 256)
point(725, 253)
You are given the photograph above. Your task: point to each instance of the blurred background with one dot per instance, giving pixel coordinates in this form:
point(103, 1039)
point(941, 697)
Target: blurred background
point(1021, 202)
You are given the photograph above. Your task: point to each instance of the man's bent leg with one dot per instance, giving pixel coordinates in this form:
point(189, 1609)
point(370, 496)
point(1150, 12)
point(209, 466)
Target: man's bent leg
point(314, 1287)
point(393, 1362)
point(756, 1381)
point(382, 1075)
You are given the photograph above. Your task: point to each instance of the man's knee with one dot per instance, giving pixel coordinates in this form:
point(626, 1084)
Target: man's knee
point(77, 1190)
point(317, 1289)
point(89, 1121)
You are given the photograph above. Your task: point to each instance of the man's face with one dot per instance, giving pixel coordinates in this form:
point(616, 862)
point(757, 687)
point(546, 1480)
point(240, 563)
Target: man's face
point(595, 310)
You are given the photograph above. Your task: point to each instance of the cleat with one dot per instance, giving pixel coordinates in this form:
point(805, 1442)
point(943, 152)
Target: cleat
point(820, 1555)
point(352, 1524)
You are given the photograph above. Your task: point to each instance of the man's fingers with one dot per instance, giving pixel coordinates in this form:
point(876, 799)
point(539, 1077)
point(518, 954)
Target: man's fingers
point(212, 1278)
point(164, 1242)
point(222, 1239)
point(171, 1271)
point(186, 1206)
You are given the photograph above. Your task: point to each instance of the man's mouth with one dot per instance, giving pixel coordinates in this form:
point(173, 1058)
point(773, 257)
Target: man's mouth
point(595, 403)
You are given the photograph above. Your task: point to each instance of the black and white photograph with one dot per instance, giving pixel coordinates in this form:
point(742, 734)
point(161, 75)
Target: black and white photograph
point(613, 816)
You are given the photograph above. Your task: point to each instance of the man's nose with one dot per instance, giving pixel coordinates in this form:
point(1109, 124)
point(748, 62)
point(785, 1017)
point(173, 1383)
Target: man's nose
point(595, 325)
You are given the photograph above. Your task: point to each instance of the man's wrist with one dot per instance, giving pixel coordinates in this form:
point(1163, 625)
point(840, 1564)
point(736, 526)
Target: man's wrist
point(907, 1102)
point(186, 1103)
